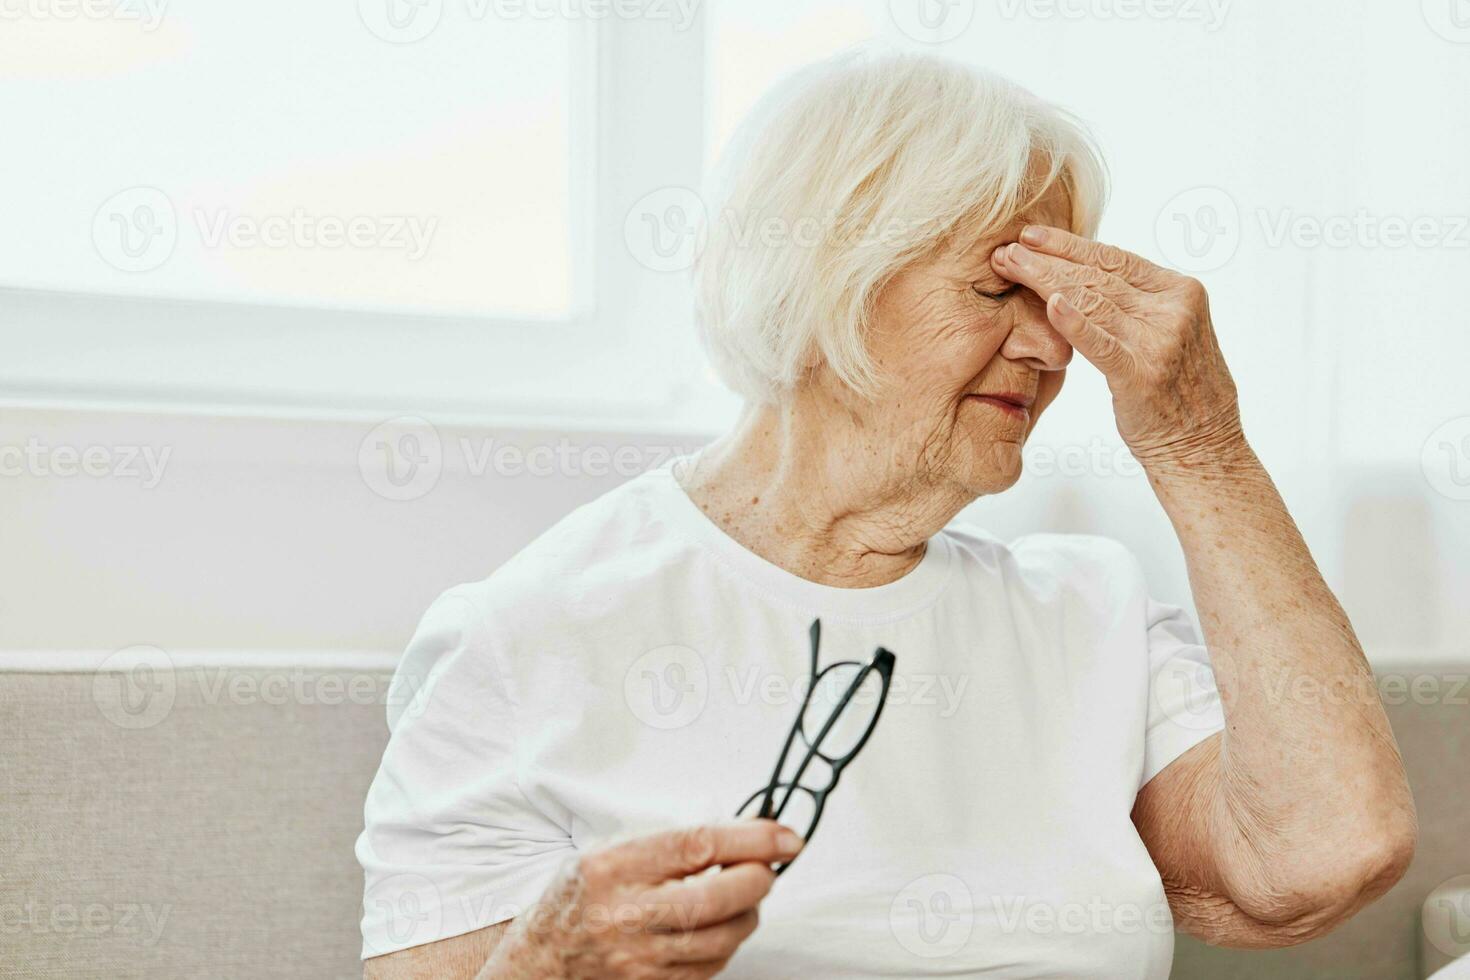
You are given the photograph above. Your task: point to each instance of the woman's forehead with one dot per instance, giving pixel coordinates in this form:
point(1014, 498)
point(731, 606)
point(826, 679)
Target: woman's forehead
point(1054, 209)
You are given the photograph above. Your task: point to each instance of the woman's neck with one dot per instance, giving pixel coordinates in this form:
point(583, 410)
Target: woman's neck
point(820, 496)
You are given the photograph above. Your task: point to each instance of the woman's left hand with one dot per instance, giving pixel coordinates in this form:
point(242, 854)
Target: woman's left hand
point(1146, 328)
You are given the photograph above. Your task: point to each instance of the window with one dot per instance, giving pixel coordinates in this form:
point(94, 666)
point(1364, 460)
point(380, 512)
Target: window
point(291, 155)
point(436, 205)
point(384, 206)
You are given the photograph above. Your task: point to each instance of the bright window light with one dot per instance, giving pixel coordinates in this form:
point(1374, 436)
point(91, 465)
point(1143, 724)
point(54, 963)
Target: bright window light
point(307, 154)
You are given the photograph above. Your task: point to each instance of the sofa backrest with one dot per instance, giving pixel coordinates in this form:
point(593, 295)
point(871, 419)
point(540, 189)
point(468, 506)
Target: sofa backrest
point(207, 828)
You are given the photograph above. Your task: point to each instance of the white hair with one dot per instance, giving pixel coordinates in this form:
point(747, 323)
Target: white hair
point(846, 172)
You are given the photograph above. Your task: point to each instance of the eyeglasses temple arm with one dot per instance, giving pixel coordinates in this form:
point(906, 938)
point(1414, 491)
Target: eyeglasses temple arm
point(767, 803)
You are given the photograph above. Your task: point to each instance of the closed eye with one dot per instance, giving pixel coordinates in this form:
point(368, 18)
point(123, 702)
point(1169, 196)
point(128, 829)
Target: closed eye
point(1002, 294)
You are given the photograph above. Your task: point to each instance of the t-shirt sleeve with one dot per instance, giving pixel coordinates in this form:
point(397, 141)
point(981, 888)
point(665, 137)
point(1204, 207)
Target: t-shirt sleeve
point(450, 844)
point(1183, 703)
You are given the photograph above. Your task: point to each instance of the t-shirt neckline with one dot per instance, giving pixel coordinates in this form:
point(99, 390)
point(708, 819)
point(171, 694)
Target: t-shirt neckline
point(917, 589)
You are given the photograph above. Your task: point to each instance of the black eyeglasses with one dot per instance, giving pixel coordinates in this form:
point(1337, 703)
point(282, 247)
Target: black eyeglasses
point(840, 735)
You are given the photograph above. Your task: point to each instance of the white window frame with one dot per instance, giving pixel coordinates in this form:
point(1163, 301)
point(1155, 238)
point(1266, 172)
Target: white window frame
point(637, 118)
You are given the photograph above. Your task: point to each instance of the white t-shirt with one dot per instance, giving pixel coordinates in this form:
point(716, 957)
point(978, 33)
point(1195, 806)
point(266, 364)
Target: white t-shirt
point(635, 669)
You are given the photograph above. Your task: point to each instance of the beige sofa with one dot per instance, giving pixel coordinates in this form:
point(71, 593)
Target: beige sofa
point(212, 836)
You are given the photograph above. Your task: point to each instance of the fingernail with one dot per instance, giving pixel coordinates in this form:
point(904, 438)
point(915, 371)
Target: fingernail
point(1033, 234)
point(1060, 302)
point(1019, 255)
point(789, 842)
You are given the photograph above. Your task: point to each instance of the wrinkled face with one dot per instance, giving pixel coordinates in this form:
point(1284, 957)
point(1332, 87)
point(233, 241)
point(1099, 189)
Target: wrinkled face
point(968, 363)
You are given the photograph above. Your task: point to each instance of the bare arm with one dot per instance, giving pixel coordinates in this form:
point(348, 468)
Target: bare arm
point(1299, 813)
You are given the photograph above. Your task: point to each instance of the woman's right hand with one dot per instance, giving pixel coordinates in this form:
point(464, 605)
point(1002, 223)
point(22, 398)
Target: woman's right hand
point(627, 910)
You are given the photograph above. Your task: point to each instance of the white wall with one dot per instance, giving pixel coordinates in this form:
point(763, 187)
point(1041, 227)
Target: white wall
point(269, 535)
point(265, 534)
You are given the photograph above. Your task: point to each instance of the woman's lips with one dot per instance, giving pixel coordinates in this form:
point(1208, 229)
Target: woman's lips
point(1017, 405)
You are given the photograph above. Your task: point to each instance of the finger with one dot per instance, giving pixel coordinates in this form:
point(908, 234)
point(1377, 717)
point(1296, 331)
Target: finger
point(1131, 268)
point(1046, 274)
point(694, 903)
point(712, 943)
point(677, 853)
point(1070, 312)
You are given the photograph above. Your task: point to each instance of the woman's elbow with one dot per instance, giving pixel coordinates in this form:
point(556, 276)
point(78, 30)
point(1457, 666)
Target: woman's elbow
point(1381, 859)
point(1310, 900)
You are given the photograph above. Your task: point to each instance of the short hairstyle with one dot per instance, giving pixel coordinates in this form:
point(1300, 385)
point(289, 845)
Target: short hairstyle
point(844, 173)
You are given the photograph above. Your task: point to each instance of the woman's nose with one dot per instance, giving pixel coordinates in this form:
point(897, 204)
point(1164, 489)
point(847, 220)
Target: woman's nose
point(1034, 342)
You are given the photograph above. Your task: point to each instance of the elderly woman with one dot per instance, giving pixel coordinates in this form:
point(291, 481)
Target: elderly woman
point(1061, 774)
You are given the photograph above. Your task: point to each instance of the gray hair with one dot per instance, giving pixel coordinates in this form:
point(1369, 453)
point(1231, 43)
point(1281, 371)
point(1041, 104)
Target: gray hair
point(846, 172)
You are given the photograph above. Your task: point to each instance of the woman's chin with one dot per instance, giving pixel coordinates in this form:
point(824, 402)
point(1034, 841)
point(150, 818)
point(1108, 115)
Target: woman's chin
point(994, 466)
